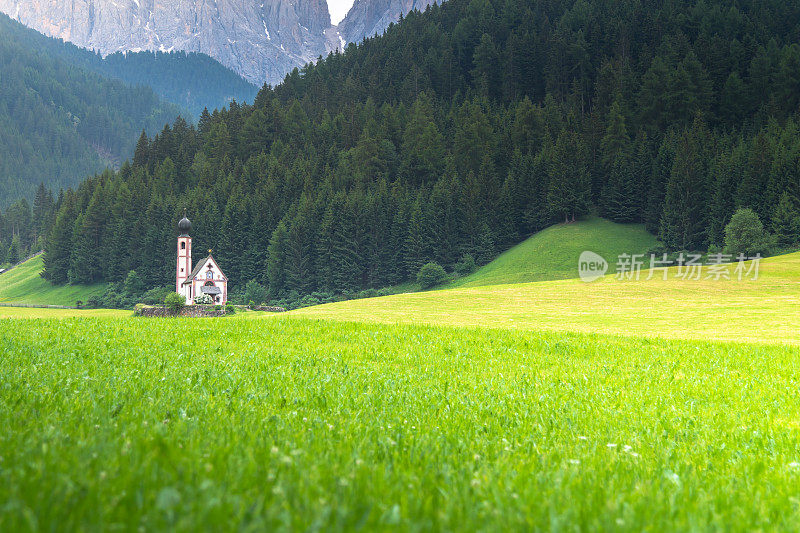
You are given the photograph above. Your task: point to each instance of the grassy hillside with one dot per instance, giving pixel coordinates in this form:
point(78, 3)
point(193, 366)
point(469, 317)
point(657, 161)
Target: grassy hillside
point(60, 121)
point(763, 310)
point(553, 253)
point(24, 285)
point(305, 425)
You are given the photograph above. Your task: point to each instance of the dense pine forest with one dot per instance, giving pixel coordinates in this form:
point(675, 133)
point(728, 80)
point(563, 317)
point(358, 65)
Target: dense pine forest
point(455, 135)
point(60, 122)
point(191, 80)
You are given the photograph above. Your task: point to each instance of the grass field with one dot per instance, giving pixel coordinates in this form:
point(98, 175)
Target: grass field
point(110, 423)
point(553, 253)
point(24, 285)
point(763, 310)
point(555, 405)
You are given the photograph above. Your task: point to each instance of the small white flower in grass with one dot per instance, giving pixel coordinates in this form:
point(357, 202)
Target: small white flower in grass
point(574, 462)
point(794, 465)
point(611, 445)
point(673, 477)
point(274, 449)
point(581, 437)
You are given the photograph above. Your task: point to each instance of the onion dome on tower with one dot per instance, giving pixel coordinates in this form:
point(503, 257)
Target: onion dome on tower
point(184, 226)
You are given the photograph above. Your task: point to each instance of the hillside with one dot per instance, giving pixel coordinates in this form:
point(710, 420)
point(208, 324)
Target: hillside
point(459, 131)
point(758, 311)
point(61, 122)
point(553, 252)
point(24, 285)
point(192, 81)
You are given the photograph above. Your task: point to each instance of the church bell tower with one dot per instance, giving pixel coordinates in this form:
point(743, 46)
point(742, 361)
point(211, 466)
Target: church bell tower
point(184, 267)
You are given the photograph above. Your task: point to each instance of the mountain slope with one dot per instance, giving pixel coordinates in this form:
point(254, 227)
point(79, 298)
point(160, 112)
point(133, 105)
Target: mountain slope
point(371, 17)
point(260, 39)
point(456, 132)
point(193, 81)
point(61, 122)
point(553, 252)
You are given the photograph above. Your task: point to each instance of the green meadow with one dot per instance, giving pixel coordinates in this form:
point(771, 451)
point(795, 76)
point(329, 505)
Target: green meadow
point(553, 253)
point(297, 424)
point(762, 310)
point(24, 285)
point(658, 404)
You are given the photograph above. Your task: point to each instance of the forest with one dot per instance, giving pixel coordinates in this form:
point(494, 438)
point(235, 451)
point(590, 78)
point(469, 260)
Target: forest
point(192, 81)
point(60, 122)
point(455, 135)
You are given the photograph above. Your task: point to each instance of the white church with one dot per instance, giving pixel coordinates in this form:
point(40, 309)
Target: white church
point(205, 278)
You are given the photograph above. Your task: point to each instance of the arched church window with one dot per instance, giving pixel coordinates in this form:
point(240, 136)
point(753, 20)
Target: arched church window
point(183, 245)
point(209, 275)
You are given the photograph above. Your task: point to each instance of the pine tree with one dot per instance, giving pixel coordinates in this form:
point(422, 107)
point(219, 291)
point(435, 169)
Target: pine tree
point(423, 146)
point(786, 222)
point(59, 243)
point(568, 192)
point(486, 72)
point(300, 250)
point(14, 254)
point(683, 222)
point(415, 249)
point(276, 264)
point(140, 155)
point(85, 262)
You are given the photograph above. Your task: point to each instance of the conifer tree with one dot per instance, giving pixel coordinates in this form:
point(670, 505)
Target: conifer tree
point(683, 222)
point(786, 222)
point(276, 263)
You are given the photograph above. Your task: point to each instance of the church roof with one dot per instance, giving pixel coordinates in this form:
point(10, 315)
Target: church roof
point(199, 266)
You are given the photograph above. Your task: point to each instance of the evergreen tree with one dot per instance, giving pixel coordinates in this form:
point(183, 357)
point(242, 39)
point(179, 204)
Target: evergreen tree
point(568, 193)
point(14, 254)
point(786, 222)
point(276, 263)
point(683, 222)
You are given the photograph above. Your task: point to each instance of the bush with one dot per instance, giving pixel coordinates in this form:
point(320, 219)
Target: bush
point(155, 296)
point(466, 265)
point(203, 299)
point(137, 309)
point(230, 309)
point(431, 274)
point(133, 285)
point(367, 293)
point(254, 292)
point(745, 234)
point(175, 302)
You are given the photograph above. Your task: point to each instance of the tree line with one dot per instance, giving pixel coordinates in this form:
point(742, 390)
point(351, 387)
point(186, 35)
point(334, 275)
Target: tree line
point(456, 134)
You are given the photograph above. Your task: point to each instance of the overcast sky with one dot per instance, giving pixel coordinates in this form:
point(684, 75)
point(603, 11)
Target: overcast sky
point(338, 9)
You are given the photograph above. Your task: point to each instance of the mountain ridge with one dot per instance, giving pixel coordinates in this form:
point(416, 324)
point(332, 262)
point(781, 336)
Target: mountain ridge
point(260, 40)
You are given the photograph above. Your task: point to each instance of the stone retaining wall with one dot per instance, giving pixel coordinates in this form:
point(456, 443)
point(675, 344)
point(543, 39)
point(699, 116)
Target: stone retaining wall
point(188, 311)
point(269, 309)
